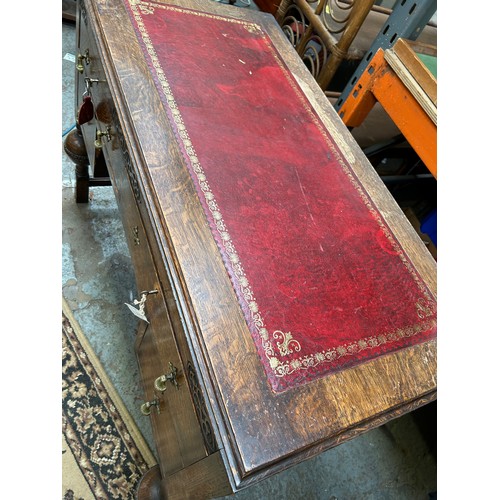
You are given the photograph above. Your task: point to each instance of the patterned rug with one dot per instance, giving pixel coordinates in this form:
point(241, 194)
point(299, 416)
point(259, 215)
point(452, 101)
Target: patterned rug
point(104, 454)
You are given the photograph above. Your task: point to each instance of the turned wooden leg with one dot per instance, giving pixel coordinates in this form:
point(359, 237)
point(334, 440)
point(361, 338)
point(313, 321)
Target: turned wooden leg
point(74, 147)
point(202, 480)
point(149, 487)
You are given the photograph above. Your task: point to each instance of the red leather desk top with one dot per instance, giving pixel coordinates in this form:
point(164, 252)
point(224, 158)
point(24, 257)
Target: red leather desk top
point(321, 280)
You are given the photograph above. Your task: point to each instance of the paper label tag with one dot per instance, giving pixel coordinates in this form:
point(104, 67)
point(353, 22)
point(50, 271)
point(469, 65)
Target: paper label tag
point(137, 313)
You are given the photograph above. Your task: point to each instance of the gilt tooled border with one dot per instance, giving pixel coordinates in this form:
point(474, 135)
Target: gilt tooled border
point(285, 344)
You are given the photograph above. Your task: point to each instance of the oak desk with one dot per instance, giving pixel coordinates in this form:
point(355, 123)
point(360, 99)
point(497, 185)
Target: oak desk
point(285, 303)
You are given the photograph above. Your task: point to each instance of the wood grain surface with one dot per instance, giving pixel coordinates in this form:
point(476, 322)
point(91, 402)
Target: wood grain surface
point(258, 431)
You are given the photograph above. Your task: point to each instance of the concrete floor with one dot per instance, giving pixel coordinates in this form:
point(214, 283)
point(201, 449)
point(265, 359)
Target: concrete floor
point(394, 461)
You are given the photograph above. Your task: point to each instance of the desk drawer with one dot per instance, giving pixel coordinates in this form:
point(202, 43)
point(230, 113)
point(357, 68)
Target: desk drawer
point(178, 436)
point(183, 173)
point(178, 426)
point(126, 191)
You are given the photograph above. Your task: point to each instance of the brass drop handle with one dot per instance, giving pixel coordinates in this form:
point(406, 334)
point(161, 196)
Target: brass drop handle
point(161, 382)
point(80, 59)
point(146, 407)
point(99, 134)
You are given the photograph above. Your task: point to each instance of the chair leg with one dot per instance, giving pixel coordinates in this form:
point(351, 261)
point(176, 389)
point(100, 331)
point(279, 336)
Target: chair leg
point(74, 147)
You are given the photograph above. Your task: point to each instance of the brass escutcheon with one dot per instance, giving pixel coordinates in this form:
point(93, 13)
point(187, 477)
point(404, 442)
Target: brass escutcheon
point(135, 231)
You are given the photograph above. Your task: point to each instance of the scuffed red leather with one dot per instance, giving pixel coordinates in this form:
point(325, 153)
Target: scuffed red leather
point(320, 260)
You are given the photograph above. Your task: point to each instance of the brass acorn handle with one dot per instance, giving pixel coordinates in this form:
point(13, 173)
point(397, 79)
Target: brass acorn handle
point(81, 58)
point(161, 382)
point(146, 407)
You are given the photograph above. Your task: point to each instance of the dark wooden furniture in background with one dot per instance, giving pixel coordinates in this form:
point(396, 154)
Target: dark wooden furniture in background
point(217, 424)
point(270, 6)
point(69, 10)
point(74, 147)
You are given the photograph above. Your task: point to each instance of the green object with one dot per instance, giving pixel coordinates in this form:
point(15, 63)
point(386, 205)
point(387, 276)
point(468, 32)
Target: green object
point(430, 62)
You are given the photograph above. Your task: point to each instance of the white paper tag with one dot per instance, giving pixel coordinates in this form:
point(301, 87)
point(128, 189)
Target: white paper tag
point(137, 313)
